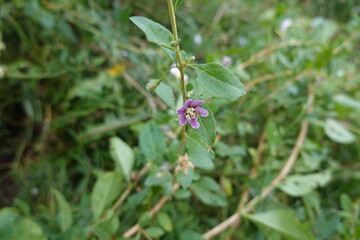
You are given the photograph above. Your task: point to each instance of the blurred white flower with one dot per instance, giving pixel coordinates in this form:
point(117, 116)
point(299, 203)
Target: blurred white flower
point(317, 22)
point(176, 72)
point(226, 61)
point(243, 41)
point(285, 24)
point(124, 53)
point(34, 191)
point(198, 39)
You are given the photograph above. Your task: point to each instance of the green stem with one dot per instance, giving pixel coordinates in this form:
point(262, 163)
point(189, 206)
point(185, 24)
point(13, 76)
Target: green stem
point(180, 61)
point(181, 65)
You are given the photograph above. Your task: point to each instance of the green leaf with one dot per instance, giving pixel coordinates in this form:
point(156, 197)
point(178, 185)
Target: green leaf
point(166, 94)
point(154, 232)
point(347, 101)
point(65, 218)
point(187, 235)
point(165, 221)
point(337, 132)
point(111, 225)
point(273, 136)
point(152, 142)
point(122, 155)
point(106, 189)
point(282, 221)
point(199, 152)
point(346, 203)
point(183, 179)
point(15, 227)
point(182, 194)
point(300, 185)
point(178, 3)
point(155, 33)
point(218, 81)
point(209, 193)
point(206, 131)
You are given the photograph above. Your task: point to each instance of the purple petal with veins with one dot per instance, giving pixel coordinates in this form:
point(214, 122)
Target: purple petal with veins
point(196, 103)
point(181, 110)
point(188, 103)
point(194, 123)
point(182, 120)
point(202, 112)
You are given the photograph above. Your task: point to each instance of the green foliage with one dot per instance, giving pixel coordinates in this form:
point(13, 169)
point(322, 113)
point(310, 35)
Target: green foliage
point(65, 217)
point(105, 191)
point(282, 221)
point(217, 81)
point(75, 116)
point(123, 156)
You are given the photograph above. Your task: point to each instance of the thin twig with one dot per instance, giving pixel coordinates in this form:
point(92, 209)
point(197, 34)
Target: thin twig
point(123, 196)
point(281, 176)
point(151, 99)
point(277, 91)
point(267, 50)
point(134, 229)
point(267, 77)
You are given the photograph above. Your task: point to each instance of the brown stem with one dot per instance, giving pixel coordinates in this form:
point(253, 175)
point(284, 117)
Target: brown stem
point(281, 176)
point(134, 229)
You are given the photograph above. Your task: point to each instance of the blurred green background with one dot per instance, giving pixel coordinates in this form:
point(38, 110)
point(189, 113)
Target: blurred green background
point(73, 74)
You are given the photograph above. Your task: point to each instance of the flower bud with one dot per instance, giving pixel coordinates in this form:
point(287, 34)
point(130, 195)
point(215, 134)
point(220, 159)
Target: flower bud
point(152, 85)
point(175, 43)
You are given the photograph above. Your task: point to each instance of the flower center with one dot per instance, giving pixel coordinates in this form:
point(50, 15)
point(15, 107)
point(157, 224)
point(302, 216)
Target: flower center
point(190, 113)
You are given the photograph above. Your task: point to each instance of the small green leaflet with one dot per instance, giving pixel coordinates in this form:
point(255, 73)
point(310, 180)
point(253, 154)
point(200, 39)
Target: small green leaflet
point(122, 155)
point(282, 221)
point(199, 152)
point(155, 33)
point(166, 94)
point(106, 189)
point(218, 81)
point(152, 142)
point(206, 131)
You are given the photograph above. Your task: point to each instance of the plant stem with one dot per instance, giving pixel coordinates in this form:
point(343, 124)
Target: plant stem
point(181, 65)
point(180, 61)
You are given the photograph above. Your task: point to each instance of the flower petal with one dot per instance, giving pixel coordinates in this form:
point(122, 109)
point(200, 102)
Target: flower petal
point(202, 112)
point(194, 123)
point(197, 103)
point(188, 103)
point(182, 120)
point(181, 110)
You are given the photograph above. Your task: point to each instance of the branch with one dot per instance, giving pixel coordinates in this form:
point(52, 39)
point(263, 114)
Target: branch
point(267, 50)
point(134, 229)
point(281, 176)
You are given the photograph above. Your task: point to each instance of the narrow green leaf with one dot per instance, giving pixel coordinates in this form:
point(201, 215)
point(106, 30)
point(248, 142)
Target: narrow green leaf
point(206, 131)
point(152, 142)
point(218, 81)
point(106, 189)
point(166, 94)
point(282, 221)
point(347, 101)
point(154, 232)
point(65, 217)
point(155, 33)
point(123, 156)
point(208, 192)
point(300, 185)
point(165, 221)
point(337, 132)
point(185, 179)
point(15, 227)
point(199, 152)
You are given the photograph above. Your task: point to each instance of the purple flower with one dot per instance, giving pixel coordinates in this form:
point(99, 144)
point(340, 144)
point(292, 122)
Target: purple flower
point(190, 113)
